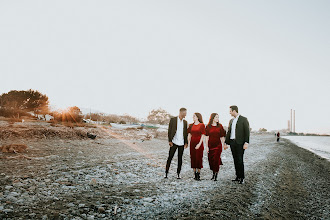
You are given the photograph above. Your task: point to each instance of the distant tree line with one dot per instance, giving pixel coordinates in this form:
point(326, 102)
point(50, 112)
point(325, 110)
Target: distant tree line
point(156, 116)
point(31, 103)
point(112, 118)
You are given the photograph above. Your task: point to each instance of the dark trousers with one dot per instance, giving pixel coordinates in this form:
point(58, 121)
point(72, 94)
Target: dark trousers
point(238, 152)
point(171, 155)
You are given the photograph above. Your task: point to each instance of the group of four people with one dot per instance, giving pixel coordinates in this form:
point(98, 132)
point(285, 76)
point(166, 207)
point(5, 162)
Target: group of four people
point(181, 136)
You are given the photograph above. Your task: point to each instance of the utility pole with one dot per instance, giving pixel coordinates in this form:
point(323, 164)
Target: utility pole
point(294, 121)
point(291, 120)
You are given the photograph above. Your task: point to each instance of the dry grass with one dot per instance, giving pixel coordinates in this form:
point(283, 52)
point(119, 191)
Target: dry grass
point(13, 148)
point(13, 120)
point(160, 134)
point(13, 132)
point(37, 129)
point(137, 128)
point(16, 157)
point(55, 123)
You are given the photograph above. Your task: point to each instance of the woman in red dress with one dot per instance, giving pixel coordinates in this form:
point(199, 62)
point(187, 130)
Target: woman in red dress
point(215, 137)
point(196, 133)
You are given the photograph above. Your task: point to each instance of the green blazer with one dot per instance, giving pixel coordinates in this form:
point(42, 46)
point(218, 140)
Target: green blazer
point(242, 131)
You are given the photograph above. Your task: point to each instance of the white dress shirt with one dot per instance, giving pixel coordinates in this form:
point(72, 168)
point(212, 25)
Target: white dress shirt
point(178, 137)
point(233, 128)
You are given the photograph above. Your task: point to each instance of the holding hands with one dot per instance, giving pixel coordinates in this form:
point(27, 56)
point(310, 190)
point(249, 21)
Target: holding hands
point(245, 146)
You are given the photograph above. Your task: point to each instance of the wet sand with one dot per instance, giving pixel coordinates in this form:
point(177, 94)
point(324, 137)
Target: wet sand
point(113, 178)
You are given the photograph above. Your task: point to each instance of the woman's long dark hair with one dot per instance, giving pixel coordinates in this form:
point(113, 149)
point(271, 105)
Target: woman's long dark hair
point(199, 116)
point(211, 120)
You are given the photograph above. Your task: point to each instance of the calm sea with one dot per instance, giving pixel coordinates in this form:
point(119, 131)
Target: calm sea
point(320, 145)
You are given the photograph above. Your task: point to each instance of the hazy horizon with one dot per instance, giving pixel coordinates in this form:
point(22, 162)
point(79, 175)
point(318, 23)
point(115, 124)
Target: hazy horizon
point(134, 56)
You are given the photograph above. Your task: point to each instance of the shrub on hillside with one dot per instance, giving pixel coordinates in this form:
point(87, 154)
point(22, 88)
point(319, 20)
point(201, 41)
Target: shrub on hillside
point(72, 114)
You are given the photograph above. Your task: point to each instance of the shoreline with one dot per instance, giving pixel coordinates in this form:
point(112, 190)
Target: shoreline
point(318, 152)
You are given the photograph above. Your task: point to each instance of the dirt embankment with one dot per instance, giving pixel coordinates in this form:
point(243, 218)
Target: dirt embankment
point(40, 130)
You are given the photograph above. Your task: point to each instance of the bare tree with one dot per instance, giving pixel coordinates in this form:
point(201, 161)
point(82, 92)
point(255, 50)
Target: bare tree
point(159, 116)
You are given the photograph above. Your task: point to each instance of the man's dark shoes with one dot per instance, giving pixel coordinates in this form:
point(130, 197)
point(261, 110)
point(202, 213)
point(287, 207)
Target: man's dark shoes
point(195, 178)
point(178, 176)
point(235, 180)
point(215, 176)
point(241, 181)
point(165, 177)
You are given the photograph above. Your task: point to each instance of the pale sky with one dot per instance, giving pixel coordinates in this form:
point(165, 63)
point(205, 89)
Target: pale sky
point(133, 56)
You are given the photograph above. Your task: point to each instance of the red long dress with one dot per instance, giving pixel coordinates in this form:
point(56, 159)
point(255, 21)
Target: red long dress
point(196, 156)
point(215, 146)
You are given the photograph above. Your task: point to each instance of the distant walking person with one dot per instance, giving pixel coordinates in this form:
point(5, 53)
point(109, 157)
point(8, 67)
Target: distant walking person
point(177, 139)
point(238, 137)
point(278, 136)
point(215, 138)
point(196, 134)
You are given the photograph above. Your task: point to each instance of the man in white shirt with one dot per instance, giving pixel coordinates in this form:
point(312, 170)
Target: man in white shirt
point(177, 139)
point(238, 137)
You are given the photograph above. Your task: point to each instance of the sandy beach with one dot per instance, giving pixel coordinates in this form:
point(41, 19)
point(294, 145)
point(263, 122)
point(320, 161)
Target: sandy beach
point(119, 175)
